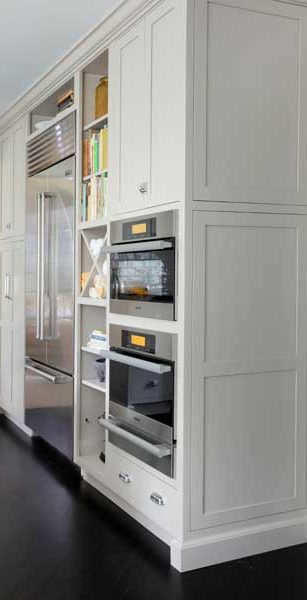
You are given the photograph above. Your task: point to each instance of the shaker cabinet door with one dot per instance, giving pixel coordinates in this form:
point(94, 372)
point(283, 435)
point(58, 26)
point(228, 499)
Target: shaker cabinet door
point(13, 180)
point(147, 111)
point(250, 102)
point(249, 366)
point(12, 342)
point(127, 122)
point(6, 187)
point(166, 88)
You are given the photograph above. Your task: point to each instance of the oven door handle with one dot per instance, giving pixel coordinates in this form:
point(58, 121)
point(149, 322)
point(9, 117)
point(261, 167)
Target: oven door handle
point(138, 247)
point(157, 450)
point(131, 361)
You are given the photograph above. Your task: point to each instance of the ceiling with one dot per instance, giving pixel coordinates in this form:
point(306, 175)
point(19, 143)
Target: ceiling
point(35, 34)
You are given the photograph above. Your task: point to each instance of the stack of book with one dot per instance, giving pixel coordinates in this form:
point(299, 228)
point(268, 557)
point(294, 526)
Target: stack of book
point(95, 152)
point(94, 198)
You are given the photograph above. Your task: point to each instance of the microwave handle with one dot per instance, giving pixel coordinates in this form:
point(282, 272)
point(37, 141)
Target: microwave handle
point(131, 361)
point(157, 450)
point(138, 247)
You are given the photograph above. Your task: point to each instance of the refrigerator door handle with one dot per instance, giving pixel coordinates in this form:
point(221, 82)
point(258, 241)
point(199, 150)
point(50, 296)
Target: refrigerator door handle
point(41, 265)
point(38, 266)
point(50, 375)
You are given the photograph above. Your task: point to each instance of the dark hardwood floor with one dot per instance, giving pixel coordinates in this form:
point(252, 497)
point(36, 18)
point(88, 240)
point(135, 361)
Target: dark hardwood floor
point(61, 540)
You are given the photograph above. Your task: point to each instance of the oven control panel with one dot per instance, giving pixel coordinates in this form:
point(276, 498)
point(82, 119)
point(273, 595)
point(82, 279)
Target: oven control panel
point(139, 230)
point(135, 340)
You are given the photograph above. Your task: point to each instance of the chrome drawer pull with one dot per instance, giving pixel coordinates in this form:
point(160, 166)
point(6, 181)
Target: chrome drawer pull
point(157, 499)
point(124, 477)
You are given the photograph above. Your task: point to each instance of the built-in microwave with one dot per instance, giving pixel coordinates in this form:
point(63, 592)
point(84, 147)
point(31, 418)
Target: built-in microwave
point(143, 266)
point(142, 391)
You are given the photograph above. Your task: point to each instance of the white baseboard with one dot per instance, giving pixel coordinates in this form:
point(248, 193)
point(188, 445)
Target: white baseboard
point(216, 549)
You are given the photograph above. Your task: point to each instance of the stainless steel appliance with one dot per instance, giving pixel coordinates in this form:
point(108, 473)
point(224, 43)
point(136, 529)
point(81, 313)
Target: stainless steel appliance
point(50, 285)
point(141, 407)
point(143, 266)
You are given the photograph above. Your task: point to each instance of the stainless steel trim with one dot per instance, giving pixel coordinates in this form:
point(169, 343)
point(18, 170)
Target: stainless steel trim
point(53, 145)
point(46, 374)
point(157, 450)
point(165, 343)
point(124, 477)
point(157, 499)
point(139, 247)
point(131, 361)
point(152, 310)
point(165, 226)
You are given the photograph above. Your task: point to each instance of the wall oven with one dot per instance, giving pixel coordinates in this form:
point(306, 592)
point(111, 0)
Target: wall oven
point(143, 266)
point(142, 392)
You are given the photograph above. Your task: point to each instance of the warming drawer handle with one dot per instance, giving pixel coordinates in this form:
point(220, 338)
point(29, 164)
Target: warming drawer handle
point(52, 378)
point(131, 361)
point(138, 247)
point(157, 450)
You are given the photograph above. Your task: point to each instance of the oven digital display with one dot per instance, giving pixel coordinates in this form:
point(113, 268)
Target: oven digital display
point(138, 340)
point(139, 228)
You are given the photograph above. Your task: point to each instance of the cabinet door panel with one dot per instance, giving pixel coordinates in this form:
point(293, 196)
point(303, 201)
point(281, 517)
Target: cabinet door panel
point(6, 185)
point(6, 260)
point(18, 333)
point(249, 374)
point(128, 168)
point(6, 367)
point(166, 102)
point(19, 176)
point(250, 135)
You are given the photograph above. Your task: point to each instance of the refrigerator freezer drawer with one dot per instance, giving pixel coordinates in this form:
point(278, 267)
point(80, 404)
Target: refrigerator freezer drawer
point(49, 406)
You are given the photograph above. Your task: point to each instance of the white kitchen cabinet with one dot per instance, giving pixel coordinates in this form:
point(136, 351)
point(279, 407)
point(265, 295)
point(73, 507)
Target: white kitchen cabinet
point(250, 104)
point(12, 342)
point(12, 180)
point(249, 373)
point(147, 111)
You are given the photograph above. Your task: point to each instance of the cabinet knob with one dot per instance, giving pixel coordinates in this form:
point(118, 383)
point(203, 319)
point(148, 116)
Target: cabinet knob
point(124, 477)
point(157, 499)
point(143, 187)
point(9, 226)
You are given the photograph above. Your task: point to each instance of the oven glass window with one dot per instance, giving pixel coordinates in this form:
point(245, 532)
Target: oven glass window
point(143, 276)
point(143, 392)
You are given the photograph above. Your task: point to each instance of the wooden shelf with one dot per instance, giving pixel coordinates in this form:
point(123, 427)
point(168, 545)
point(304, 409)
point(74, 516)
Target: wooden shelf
point(95, 384)
point(92, 224)
point(97, 123)
point(52, 122)
point(92, 302)
point(98, 174)
point(91, 351)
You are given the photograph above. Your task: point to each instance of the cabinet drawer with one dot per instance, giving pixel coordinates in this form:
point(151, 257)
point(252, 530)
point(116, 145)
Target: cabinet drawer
point(158, 501)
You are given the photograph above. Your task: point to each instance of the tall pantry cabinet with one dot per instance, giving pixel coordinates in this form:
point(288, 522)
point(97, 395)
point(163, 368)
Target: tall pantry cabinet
point(12, 206)
point(248, 251)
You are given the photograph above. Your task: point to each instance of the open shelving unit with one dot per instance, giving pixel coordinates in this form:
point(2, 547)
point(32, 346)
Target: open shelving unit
point(92, 234)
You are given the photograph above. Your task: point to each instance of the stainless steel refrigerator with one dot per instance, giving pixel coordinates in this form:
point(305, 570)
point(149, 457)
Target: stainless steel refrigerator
point(50, 285)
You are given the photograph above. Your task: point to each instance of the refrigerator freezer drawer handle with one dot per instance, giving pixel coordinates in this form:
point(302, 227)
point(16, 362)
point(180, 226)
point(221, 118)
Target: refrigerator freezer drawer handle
point(157, 450)
point(131, 361)
point(52, 378)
